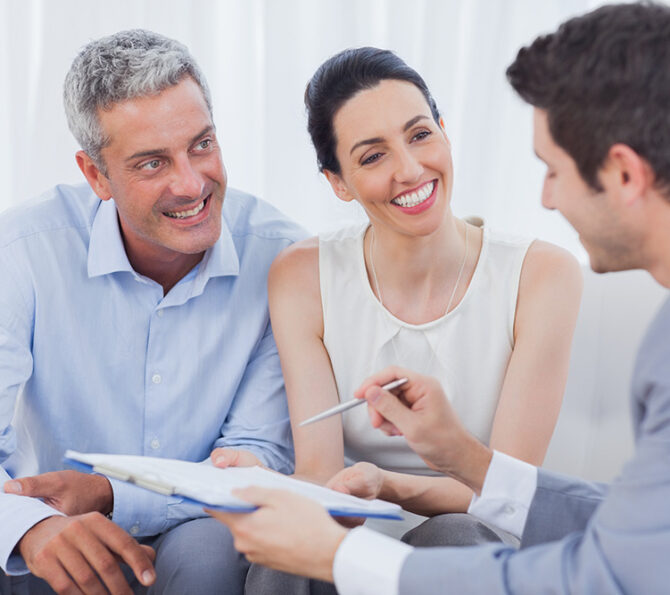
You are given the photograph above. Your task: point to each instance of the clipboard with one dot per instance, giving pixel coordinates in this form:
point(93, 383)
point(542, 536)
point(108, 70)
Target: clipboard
point(204, 485)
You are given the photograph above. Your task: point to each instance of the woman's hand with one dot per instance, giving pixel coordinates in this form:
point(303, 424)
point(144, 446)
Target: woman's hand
point(364, 480)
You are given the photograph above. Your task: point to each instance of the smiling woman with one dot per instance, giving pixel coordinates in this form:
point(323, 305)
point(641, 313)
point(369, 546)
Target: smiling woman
point(416, 287)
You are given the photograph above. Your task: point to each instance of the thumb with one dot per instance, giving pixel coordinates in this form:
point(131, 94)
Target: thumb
point(13, 487)
point(34, 487)
point(225, 457)
point(389, 407)
point(149, 551)
point(231, 457)
point(338, 483)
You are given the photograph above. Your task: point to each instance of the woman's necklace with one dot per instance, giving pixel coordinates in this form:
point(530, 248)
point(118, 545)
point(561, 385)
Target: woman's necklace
point(451, 298)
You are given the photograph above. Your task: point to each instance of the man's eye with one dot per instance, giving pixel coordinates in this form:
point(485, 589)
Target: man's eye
point(151, 165)
point(203, 145)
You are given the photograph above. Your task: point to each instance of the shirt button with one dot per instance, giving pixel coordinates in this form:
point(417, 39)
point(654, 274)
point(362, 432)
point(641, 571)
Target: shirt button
point(135, 529)
point(155, 444)
point(159, 313)
point(156, 379)
point(508, 509)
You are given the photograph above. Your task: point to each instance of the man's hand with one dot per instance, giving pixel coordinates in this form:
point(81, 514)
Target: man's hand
point(231, 457)
point(421, 412)
point(288, 532)
point(79, 554)
point(70, 492)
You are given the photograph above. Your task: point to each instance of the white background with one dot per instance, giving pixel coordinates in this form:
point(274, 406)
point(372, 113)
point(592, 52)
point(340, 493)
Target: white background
point(258, 56)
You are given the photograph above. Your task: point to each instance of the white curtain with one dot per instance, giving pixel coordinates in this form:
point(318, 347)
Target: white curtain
point(258, 55)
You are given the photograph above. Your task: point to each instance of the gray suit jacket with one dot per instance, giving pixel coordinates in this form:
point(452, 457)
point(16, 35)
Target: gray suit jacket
point(582, 537)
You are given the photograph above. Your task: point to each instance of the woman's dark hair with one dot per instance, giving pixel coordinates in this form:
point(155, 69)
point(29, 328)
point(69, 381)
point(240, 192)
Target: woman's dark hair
point(341, 77)
point(604, 78)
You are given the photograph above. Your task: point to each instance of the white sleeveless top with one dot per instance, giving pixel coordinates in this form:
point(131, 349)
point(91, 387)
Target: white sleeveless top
point(472, 344)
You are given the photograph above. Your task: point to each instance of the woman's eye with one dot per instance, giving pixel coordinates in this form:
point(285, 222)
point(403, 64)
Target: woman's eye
point(371, 159)
point(421, 135)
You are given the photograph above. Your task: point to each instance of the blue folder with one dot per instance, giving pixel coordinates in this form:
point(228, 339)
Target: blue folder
point(209, 487)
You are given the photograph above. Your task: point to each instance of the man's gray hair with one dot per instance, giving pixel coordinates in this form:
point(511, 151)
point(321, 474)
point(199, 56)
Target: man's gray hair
point(126, 65)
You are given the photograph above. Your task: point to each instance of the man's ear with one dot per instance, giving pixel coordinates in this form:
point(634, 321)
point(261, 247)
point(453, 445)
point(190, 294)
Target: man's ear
point(339, 187)
point(625, 170)
point(98, 181)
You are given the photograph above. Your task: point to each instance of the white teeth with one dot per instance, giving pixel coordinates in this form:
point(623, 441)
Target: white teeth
point(415, 198)
point(184, 214)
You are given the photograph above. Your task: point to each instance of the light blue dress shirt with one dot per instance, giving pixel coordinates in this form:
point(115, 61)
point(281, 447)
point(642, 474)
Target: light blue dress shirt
point(94, 358)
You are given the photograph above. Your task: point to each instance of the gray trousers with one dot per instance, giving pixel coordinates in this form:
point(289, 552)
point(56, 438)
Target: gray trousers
point(455, 529)
point(195, 557)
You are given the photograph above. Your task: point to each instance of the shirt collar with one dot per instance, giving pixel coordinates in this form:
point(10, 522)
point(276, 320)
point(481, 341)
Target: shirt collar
point(106, 253)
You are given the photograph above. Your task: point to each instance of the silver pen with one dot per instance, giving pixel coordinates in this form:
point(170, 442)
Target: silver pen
point(349, 404)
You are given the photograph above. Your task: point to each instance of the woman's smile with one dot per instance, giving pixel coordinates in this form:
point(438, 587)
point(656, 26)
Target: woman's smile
point(417, 200)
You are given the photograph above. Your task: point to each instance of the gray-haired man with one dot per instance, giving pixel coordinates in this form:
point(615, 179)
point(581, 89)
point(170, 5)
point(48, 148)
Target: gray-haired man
point(133, 318)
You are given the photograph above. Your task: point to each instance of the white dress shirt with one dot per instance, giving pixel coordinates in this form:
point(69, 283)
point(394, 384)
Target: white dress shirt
point(367, 563)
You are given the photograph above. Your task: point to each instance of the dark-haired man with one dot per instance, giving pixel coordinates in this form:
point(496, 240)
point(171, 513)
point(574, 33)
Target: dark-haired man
point(134, 319)
point(599, 86)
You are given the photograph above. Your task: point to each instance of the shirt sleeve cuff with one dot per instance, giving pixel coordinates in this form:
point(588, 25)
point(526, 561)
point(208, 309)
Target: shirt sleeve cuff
point(368, 562)
point(508, 490)
point(138, 511)
point(19, 514)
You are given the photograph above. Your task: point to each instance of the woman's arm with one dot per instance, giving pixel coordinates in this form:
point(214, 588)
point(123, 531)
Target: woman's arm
point(530, 399)
point(547, 306)
point(297, 322)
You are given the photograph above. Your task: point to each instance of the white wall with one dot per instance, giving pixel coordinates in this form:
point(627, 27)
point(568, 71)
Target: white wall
point(258, 55)
point(594, 436)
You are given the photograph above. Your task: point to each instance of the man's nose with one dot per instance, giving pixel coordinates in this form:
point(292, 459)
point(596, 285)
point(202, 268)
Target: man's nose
point(547, 197)
point(186, 180)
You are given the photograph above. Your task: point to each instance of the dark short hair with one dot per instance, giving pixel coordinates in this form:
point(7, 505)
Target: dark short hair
point(341, 77)
point(604, 78)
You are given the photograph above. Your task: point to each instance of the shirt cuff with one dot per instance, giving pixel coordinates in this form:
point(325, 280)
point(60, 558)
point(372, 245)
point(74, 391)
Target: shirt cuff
point(508, 490)
point(138, 511)
point(19, 515)
point(367, 563)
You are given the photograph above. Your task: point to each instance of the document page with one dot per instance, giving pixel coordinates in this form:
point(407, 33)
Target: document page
point(212, 486)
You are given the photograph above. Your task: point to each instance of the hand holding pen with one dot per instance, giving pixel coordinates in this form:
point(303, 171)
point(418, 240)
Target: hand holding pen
point(342, 407)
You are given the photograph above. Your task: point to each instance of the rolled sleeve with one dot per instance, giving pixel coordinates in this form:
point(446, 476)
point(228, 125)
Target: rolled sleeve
point(258, 421)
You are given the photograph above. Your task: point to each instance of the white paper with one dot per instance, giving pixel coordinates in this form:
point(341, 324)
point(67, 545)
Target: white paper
point(212, 486)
